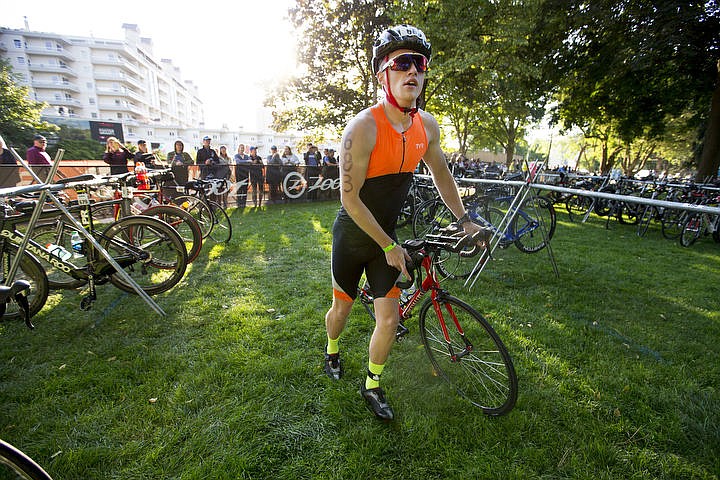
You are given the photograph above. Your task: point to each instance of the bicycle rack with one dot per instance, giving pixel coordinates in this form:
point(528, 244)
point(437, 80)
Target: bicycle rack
point(44, 189)
point(520, 196)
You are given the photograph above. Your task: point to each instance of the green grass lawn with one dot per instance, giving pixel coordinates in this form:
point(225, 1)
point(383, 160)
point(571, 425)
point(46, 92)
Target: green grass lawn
point(617, 359)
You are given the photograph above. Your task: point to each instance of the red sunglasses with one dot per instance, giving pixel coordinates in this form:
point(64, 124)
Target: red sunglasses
point(404, 61)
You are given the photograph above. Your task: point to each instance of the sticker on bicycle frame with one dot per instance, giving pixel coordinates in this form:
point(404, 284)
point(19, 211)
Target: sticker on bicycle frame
point(83, 199)
point(84, 218)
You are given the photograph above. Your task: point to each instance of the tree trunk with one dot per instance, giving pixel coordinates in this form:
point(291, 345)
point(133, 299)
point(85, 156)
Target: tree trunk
point(510, 148)
point(710, 157)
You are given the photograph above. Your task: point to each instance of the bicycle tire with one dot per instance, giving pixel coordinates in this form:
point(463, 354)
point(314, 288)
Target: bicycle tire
point(429, 217)
point(647, 216)
point(628, 213)
point(199, 209)
point(534, 238)
point(23, 466)
point(31, 270)
point(577, 207)
point(692, 229)
point(59, 233)
point(221, 230)
point(184, 223)
point(485, 375)
point(167, 260)
point(672, 223)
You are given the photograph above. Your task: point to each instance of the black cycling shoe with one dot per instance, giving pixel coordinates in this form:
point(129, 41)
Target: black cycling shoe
point(333, 367)
point(375, 399)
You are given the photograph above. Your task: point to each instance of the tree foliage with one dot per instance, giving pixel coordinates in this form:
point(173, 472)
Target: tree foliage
point(19, 116)
point(624, 69)
point(334, 49)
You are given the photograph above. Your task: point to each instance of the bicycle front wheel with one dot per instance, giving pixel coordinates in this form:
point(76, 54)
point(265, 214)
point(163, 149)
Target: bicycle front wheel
point(30, 270)
point(473, 360)
point(199, 209)
point(149, 250)
point(184, 223)
point(692, 229)
point(15, 464)
point(221, 230)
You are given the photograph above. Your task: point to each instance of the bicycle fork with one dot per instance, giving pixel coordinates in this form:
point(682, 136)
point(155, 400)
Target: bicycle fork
point(454, 357)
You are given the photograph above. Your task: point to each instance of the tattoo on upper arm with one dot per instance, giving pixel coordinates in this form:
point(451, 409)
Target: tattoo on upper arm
point(347, 164)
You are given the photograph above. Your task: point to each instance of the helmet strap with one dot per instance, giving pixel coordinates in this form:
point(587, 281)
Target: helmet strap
point(393, 101)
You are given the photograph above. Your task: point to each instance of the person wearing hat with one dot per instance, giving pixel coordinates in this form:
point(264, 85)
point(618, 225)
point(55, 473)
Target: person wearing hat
point(381, 147)
point(206, 157)
point(274, 175)
point(38, 158)
point(256, 177)
point(142, 154)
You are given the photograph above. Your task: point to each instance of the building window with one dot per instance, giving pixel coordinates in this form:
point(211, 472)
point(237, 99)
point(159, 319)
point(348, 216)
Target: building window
point(58, 97)
point(48, 45)
point(17, 43)
point(89, 84)
point(119, 115)
point(150, 133)
point(91, 101)
point(93, 115)
point(21, 60)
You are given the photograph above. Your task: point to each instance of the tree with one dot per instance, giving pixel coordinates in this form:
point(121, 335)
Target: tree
point(486, 74)
point(628, 66)
point(334, 49)
point(19, 116)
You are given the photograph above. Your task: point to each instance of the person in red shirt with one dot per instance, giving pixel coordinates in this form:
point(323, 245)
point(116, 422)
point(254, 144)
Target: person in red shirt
point(38, 158)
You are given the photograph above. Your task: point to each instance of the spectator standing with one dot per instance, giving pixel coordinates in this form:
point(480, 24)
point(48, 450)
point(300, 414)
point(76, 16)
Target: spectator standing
point(117, 156)
point(242, 175)
point(38, 158)
point(206, 157)
point(179, 161)
point(312, 169)
point(257, 178)
point(274, 174)
point(222, 172)
point(289, 158)
point(330, 171)
point(9, 174)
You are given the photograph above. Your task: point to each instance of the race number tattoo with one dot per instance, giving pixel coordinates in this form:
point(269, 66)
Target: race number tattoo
point(347, 164)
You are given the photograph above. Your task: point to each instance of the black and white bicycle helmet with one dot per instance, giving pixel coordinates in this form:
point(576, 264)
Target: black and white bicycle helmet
point(396, 38)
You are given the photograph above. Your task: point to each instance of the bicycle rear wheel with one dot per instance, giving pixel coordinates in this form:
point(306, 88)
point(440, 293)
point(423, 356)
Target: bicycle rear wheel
point(531, 237)
point(199, 209)
point(184, 223)
point(153, 251)
point(221, 230)
point(30, 270)
point(692, 229)
point(15, 464)
point(475, 362)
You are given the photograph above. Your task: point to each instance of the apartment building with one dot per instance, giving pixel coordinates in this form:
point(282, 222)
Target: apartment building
point(85, 79)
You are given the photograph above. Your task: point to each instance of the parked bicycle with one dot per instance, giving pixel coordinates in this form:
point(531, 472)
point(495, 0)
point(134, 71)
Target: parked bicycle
point(531, 227)
point(150, 251)
point(461, 344)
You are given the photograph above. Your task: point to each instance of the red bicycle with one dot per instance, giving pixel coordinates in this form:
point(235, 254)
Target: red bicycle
point(462, 346)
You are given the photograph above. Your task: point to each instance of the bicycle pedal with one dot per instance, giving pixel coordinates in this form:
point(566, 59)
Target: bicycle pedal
point(400, 333)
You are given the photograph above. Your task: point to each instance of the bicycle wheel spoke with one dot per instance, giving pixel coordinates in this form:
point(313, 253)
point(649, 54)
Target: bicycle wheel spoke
point(481, 372)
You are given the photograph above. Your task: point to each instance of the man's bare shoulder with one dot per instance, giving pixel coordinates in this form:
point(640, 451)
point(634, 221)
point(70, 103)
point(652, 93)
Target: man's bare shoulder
point(362, 127)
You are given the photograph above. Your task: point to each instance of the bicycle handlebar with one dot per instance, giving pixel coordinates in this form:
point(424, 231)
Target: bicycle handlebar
point(448, 239)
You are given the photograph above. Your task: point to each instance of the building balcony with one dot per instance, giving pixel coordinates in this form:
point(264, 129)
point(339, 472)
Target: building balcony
point(119, 92)
point(51, 52)
point(50, 68)
point(119, 77)
point(117, 62)
point(68, 102)
point(125, 107)
point(55, 86)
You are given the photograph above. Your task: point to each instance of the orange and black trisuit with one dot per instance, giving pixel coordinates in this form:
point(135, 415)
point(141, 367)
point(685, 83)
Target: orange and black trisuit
point(389, 175)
